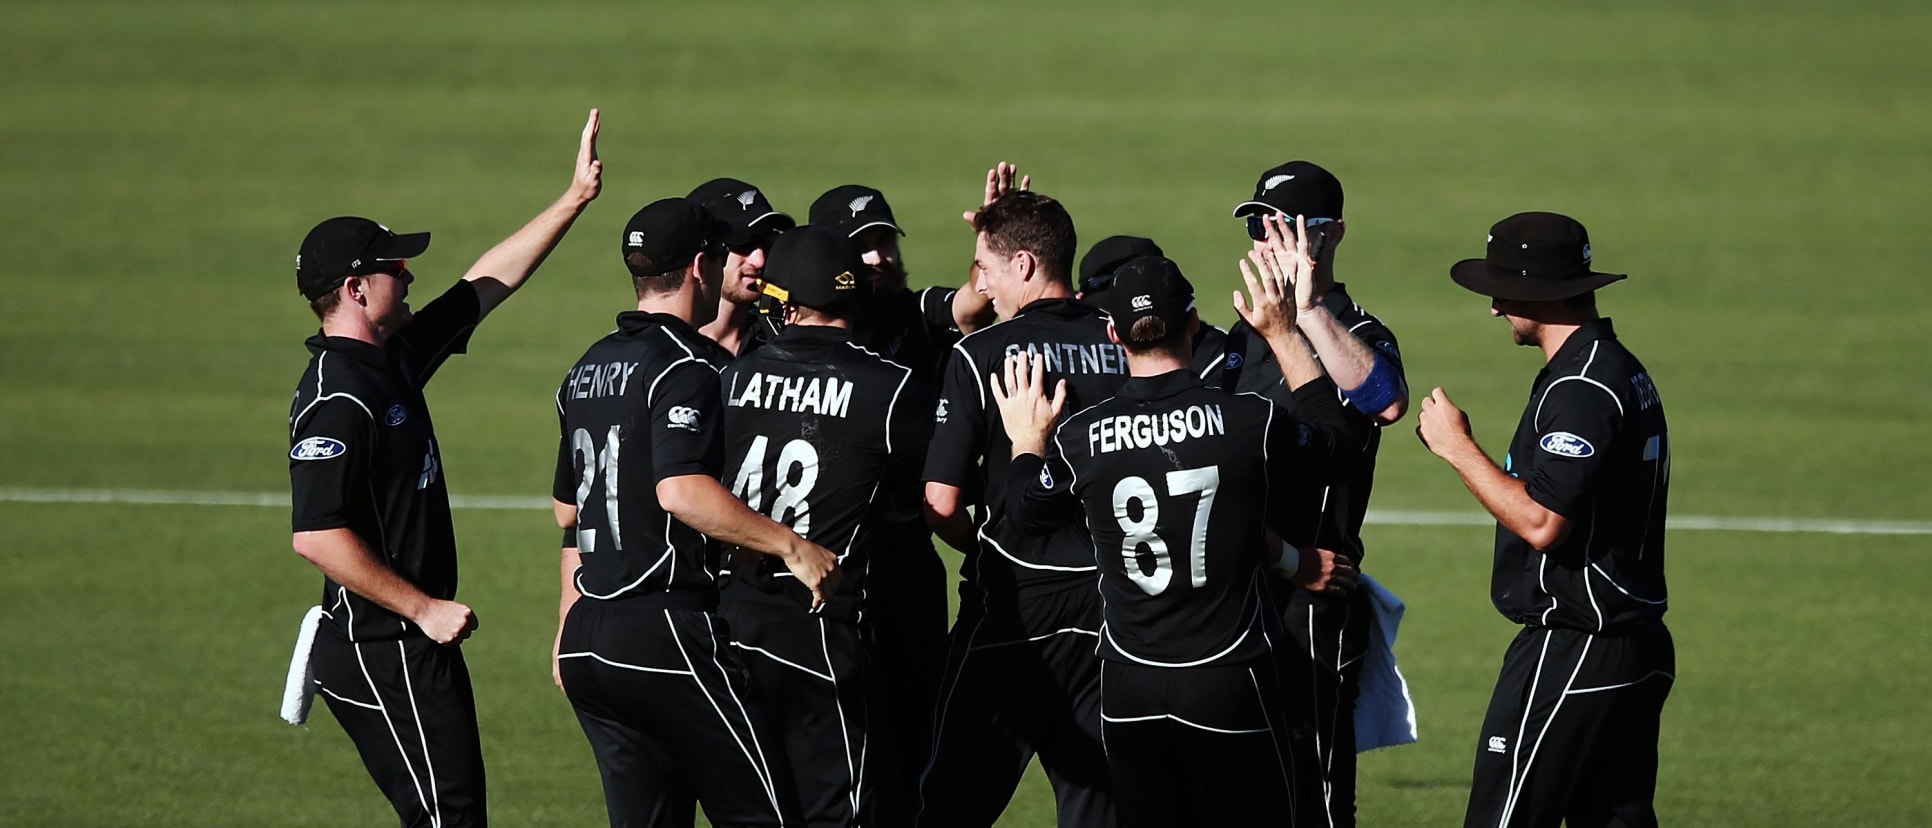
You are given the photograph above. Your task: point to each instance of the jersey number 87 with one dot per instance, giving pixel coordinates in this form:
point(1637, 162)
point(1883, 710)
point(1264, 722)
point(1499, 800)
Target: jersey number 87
point(1136, 494)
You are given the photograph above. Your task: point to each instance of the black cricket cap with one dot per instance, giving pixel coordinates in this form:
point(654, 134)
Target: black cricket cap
point(851, 209)
point(1107, 255)
point(667, 234)
point(345, 246)
point(1297, 188)
point(743, 207)
point(1144, 287)
point(815, 267)
point(1533, 257)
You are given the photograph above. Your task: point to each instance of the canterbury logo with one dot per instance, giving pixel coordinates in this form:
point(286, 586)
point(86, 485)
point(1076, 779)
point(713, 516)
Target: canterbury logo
point(635, 239)
point(746, 198)
point(859, 204)
point(1276, 182)
point(1498, 744)
point(1143, 302)
point(684, 417)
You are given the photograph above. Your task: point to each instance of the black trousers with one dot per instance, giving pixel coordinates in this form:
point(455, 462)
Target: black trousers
point(905, 616)
point(809, 679)
point(408, 707)
point(1197, 746)
point(1327, 638)
point(1006, 698)
point(665, 703)
point(1571, 733)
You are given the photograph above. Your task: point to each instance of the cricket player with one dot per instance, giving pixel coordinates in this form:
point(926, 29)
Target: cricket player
point(641, 652)
point(741, 324)
point(1579, 501)
point(1178, 482)
point(826, 437)
point(1021, 677)
point(371, 508)
point(1328, 626)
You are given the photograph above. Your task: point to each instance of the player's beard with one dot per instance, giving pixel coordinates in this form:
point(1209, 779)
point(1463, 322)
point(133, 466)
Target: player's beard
point(887, 276)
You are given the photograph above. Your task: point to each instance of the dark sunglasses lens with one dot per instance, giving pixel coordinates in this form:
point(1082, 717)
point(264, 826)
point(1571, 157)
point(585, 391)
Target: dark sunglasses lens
point(1257, 228)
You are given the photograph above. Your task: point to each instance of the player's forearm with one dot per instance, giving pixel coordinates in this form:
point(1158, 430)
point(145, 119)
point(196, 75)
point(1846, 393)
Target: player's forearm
point(971, 311)
point(345, 559)
point(701, 503)
point(1350, 362)
point(499, 272)
point(1506, 498)
point(1297, 360)
point(947, 516)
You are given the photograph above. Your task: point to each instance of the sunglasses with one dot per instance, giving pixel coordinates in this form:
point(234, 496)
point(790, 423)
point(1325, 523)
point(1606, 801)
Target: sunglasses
point(1258, 227)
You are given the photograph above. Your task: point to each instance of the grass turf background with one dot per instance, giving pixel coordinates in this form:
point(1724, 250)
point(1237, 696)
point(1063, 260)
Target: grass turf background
point(1759, 168)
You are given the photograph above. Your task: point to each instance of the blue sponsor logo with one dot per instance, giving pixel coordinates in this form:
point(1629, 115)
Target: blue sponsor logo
point(317, 448)
point(1565, 444)
point(1046, 477)
point(397, 414)
point(1234, 360)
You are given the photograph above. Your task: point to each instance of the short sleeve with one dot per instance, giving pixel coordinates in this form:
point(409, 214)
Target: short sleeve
point(936, 308)
point(908, 431)
point(440, 329)
point(563, 485)
point(328, 464)
point(687, 429)
point(1576, 422)
point(958, 420)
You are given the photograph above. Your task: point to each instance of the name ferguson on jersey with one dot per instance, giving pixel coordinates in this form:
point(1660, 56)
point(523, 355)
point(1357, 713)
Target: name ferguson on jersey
point(1138, 431)
point(828, 396)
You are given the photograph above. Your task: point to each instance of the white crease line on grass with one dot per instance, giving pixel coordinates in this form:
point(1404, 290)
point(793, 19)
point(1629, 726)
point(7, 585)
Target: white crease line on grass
point(1375, 516)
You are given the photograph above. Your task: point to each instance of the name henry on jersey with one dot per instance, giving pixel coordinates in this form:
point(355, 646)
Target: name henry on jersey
point(828, 396)
point(604, 379)
point(1138, 431)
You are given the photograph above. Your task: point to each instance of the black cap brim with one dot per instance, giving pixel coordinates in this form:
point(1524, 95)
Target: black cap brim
point(871, 224)
point(1476, 277)
point(405, 246)
point(1248, 208)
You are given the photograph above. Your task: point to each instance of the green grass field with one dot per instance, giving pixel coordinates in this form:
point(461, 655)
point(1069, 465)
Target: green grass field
point(1761, 170)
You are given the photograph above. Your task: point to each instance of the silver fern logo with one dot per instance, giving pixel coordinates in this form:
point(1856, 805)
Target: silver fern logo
point(859, 204)
point(746, 198)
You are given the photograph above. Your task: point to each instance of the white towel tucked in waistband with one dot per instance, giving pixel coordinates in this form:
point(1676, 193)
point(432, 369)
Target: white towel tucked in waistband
point(298, 693)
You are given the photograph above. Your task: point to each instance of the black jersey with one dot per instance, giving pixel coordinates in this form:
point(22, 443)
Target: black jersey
point(1210, 348)
point(362, 455)
point(913, 328)
point(1177, 481)
point(1593, 447)
point(822, 435)
point(640, 406)
point(970, 450)
point(1249, 365)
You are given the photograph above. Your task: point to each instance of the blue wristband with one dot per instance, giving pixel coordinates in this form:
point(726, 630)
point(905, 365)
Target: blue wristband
point(1382, 388)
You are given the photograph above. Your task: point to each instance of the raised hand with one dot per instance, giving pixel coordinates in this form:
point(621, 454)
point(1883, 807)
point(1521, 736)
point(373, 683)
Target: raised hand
point(588, 180)
point(1289, 248)
point(1025, 409)
point(1000, 181)
point(1271, 311)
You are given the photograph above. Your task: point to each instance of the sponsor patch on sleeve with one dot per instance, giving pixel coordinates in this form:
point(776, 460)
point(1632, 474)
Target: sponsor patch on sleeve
point(1565, 444)
point(939, 414)
point(1046, 477)
point(318, 448)
point(684, 417)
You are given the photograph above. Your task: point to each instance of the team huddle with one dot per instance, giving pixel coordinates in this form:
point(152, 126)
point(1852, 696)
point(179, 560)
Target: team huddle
point(1160, 596)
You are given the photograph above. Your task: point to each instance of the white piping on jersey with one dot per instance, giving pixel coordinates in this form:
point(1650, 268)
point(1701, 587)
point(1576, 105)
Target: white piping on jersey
point(757, 766)
point(429, 762)
point(974, 367)
point(788, 663)
point(1009, 556)
point(1509, 805)
point(1522, 727)
point(295, 423)
point(1042, 637)
point(743, 714)
point(622, 666)
point(1173, 718)
point(1587, 543)
point(1254, 619)
point(670, 554)
point(1645, 677)
point(400, 750)
point(1543, 562)
point(845, 733)
point(1627, 593)
point(1579, 375)
point(1283, 760)
point(332, 694)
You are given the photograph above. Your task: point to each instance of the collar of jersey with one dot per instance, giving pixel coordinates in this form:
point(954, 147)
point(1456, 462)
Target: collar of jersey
point(1158, 386)
point(812, 335)
point(355, 349)
point(1589, 332)
point(1065, 306)
point(636, 322)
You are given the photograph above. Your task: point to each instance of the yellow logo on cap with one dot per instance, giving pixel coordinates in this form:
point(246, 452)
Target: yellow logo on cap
point(774, 291)
point(845, 281)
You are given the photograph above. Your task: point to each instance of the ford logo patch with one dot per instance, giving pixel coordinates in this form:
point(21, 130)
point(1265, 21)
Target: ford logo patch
point(317, 448)
point(1565, 444)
